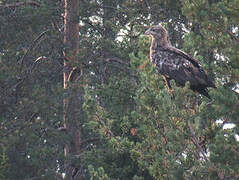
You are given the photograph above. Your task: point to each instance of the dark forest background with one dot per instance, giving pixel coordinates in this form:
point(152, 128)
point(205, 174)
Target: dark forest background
point(123, 123)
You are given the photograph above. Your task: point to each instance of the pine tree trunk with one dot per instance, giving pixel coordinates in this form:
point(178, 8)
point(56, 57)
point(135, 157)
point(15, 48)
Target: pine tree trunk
point(107, 17)
point(73, 97)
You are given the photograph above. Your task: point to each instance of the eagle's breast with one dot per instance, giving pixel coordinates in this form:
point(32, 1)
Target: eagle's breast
point(166, 62)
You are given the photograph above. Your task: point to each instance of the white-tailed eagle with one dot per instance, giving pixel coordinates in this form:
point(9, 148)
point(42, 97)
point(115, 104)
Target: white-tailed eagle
point(175, 64)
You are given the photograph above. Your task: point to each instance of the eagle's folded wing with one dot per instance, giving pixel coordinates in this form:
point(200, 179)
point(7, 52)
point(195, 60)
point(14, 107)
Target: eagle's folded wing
point(176, 64)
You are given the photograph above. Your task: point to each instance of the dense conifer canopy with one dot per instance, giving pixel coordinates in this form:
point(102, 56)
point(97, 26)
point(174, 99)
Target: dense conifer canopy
point(130, 127)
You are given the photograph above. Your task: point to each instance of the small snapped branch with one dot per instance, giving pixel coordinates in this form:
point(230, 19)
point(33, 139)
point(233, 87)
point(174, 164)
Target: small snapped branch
point(74, 72)
point(233, 36)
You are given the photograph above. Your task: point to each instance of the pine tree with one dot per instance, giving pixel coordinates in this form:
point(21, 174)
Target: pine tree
point(30, 93)
point(131, 127)
point(179, 138)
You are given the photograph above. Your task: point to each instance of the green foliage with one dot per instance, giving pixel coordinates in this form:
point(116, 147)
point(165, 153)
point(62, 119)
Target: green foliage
point(98, 174)
point(132, 127)
point(4, 165)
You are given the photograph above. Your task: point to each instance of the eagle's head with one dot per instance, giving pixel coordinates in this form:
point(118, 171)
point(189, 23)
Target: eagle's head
point(158, 33)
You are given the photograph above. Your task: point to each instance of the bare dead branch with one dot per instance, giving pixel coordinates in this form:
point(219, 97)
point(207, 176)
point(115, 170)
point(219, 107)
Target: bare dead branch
point(28, 72)
point(116, 60)
point(196, 143)
point(32, 46)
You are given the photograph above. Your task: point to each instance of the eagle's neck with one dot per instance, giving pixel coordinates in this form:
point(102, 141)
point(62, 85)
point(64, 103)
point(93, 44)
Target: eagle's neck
point(157, 44)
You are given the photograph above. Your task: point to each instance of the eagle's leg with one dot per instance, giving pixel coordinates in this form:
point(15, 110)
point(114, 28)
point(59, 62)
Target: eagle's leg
point(170, 89)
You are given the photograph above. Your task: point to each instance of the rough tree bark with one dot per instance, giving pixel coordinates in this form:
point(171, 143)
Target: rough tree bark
point(73, 96)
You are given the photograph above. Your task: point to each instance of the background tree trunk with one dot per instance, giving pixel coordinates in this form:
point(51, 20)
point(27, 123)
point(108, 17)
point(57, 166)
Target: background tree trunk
point(73, 97)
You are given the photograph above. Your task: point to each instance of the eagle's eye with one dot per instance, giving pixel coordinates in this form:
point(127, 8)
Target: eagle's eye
point(157, 31)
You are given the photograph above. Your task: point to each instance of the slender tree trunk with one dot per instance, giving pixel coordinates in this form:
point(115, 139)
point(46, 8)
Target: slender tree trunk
point(73, 97)
point(108, 13)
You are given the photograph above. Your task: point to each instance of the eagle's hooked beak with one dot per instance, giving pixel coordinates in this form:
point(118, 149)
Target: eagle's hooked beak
point(147, 32)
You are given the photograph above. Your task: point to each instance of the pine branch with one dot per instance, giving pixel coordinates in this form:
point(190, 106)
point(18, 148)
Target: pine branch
point(18, 4)
point(90, 140)
point(21, 127)
point(196, 143)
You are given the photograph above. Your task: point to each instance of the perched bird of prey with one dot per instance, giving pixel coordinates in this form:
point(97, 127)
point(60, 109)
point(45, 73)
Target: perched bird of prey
point(175, 64)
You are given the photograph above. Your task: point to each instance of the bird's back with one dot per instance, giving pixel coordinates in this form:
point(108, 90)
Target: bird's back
point(177, 65)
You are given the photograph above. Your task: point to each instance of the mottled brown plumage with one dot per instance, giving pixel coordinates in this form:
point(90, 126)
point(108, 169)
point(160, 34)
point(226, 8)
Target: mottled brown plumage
point(175, 64)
